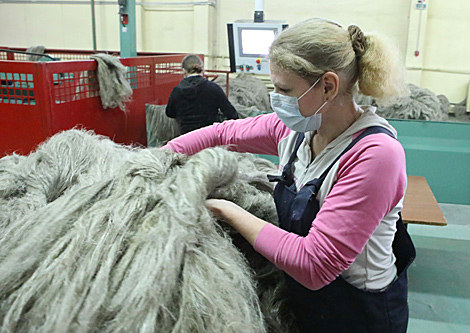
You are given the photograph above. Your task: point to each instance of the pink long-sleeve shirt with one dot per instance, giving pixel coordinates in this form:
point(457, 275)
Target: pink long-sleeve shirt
point(360, 199)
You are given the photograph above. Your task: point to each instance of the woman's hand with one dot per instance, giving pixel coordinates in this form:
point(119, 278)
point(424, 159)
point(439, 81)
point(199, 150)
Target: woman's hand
point(221, 208)
point(246, 223)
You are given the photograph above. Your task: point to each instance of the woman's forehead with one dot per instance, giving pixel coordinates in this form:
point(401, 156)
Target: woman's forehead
point(281, 77)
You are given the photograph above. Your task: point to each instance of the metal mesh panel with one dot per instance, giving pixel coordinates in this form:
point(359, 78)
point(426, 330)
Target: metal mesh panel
point(40, 99)
point(168, 67)
point(65, 56)
point(68, 56)
point(139, 76)
point(166, 72)
point(17, 88)
point(21, 57)
point(13, 56)
point(73, 86)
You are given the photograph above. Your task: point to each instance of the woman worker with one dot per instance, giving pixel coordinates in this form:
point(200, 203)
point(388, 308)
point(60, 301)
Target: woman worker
point(342, 179)
point(195, 102)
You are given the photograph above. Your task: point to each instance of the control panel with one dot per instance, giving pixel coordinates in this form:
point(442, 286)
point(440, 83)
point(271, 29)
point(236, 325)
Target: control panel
point(249, 44)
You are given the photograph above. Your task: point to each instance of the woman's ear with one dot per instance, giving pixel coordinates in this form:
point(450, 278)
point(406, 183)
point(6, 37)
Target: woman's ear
point(330, 85)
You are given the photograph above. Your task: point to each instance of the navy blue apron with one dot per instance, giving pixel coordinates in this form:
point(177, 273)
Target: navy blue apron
point(339, 306)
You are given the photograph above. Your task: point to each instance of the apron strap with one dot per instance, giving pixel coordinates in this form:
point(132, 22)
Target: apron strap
point(287, 177)
point(366, 132)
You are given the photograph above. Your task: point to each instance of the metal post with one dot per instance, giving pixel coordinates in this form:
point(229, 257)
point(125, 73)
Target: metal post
point(127, 28)
point(259, 11)
point(93, 23)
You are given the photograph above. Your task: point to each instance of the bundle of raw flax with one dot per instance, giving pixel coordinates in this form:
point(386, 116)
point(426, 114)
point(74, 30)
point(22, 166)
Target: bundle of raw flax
point(115, 89)
point(248, 95)
point(160, 128)
point(98, 237)
point(420, 103)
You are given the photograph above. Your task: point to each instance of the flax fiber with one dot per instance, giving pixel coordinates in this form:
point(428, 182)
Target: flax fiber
point(420, 103)
point(160, 128)
point(38, 49)
point(115, 89)
point(248, 94)
point(99, 237)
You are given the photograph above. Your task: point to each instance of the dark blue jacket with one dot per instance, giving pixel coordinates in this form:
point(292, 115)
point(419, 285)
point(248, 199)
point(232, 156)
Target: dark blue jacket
point(195, 103)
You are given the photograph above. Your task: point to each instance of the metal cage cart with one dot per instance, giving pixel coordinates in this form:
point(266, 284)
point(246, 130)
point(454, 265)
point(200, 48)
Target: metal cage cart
point(40, 99)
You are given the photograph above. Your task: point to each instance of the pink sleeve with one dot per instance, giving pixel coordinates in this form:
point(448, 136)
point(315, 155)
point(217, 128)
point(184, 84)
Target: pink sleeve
point(371, 180)
point(257, 135)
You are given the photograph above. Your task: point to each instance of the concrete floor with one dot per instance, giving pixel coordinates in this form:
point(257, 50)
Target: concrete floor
point(439, 279)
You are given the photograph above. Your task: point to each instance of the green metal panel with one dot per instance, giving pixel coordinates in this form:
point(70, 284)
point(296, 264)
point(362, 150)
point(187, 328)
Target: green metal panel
point(440, 152)
point(128, 33)
point(274, 159)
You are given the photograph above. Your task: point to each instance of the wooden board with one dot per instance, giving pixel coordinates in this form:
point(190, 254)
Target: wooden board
point(419, 205)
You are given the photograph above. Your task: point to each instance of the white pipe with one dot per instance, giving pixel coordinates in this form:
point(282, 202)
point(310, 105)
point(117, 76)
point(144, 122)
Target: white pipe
point(74, 2)
point(468, 97)
point(438, 70)
point(259, 5)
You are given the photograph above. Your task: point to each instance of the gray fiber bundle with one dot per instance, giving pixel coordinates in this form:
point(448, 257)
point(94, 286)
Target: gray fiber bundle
point(248, 95)
point(462, 111)
point(115, 90)
point(160, 128)
point(420, 104)
point(38, 49)
point(99, 237)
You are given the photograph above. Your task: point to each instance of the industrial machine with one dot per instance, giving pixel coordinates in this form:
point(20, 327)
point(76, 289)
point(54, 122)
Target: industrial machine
point(249, 41)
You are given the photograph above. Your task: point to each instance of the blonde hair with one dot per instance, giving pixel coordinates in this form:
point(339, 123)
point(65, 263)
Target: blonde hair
point(192, 64)
point(369, 63)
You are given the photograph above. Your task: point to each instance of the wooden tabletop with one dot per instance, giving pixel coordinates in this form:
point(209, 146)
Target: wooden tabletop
point(419, 205)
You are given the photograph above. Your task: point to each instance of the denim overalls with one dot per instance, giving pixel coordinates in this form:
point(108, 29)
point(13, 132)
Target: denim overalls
point(339, 306)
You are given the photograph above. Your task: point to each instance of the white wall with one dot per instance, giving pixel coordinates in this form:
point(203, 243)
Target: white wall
point(444, 43)
point(390, 17)
point(62, 26)
point(168, 29)
point(446, 65)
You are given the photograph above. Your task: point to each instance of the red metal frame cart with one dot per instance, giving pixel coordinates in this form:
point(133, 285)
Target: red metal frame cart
point(39, 99)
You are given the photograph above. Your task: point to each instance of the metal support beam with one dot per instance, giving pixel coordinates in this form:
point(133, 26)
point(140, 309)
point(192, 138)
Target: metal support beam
point(93, 24)
point(127, 30)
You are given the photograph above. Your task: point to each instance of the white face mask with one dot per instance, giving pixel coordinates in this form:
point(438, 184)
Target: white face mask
point(287, 109)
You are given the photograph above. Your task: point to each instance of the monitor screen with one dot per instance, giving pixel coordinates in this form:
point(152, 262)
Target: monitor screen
point(256, 42)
